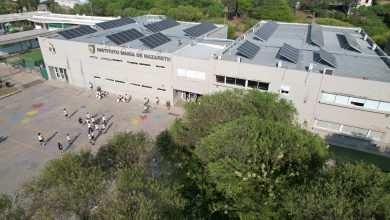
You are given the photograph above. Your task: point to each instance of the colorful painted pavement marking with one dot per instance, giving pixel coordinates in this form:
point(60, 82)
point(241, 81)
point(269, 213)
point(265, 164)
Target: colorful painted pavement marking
point(83, 106)
point(158, 116)
point(32, 112)
point(143, 117)
point(37, 105)
point(25, 120)
point(16, 116)
point(134, 122)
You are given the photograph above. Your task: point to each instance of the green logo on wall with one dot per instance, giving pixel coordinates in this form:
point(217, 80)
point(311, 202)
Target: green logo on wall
point(91, 48)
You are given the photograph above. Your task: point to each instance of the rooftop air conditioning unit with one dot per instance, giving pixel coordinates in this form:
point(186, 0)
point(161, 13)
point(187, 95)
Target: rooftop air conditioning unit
point(365, 37)
point(219, 57)
point(373, 47)
point(311, 66)
point(327, 71)
point(193, 43)
point(359, 30)
point(238, 59)
point(279, 64)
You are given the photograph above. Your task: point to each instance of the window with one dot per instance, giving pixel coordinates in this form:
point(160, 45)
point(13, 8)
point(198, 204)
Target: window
point(220, 79)
point(191, 74)
point(135, 84)
point(361, 132)
point(160, 66)
point(356, 101)
point(103, 58)
point(384, 106)
point(252, 84)
point(96, 77)
point(240, 82)
point(118, 81)
point(326, 97)
point(132, 62)
point(263, 86)
point(340, 99)
point(376, 135)
point(161, 89)
point(109, 79)
point(93, 57)
point(321, 124)
point(333, 126)
point(117, 60)
point(230, 80)
point(371, 104)
point(347, 129)
point(284, 90)
point(144, 64)
point(149, 87)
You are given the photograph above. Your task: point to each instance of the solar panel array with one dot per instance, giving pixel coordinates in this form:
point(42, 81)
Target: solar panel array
point(115, 23)
point(316, 35)
point(352, 43)
point(248, 49)
point(327, 57)
point(289, 52)
point(155, 40)
point(199, 29)
point(161, 25)
point(77, 32)
point(125, 36)
point(265, 31)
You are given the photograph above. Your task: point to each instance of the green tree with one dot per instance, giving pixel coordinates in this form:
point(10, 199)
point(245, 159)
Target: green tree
point(65, 186)
point(345, 191)
point(8, 6)
point(9, 210)
point(251, 161)
point(199, 118)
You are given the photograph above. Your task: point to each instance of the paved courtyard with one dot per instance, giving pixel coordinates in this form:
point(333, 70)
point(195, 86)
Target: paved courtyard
point(39, 108)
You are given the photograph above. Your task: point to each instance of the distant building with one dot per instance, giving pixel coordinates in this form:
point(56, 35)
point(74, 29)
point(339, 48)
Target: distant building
point(71, 3)
point(337, 77)
point(364, 3)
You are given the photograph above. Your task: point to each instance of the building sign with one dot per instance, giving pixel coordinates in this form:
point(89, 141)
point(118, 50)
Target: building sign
point(129, 53)
point(51, 48)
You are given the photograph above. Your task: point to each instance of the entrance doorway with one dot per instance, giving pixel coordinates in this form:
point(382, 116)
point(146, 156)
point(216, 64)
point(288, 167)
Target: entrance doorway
point(185, 96)
point(61, 74)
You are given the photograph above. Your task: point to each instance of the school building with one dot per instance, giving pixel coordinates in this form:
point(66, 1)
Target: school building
point(337, 77)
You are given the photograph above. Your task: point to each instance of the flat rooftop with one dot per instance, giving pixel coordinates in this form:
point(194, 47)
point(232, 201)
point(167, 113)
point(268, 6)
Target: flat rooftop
point(368, 63)
point(179, 39)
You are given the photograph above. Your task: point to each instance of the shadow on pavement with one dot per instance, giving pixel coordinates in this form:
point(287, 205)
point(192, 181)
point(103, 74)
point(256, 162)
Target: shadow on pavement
point(51, 137)
point(74, 139)
point(2, 139)
point(73, 113)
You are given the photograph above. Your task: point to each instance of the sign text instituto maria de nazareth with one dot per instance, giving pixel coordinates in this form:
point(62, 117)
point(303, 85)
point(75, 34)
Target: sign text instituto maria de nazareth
point(133, 54)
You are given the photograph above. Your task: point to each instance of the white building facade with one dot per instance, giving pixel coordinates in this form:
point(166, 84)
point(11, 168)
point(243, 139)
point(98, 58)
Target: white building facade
point(347, 104)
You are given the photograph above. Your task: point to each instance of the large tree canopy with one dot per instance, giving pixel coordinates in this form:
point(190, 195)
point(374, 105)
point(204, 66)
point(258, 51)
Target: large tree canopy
point(199, 118)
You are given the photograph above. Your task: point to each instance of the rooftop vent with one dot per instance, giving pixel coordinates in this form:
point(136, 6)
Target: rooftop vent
point(359, 30)
point(219, 57)
point(327, 71)
point(193, 43)
point(238, 59)
point(365, 37)
point(373, 47)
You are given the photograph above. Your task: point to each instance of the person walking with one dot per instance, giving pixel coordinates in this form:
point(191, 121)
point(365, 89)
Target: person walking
point(90, 129)
point(97, 127)
point(157, 101)
point(93, 120)
point(60, 148)
point(103, 128)
point(88, 115)
point(104, 120)
point(69, 139)
point(66, 114)
point(41, 139)
point(80, 121)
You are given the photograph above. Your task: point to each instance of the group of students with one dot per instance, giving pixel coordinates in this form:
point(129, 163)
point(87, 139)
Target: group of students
point(125, 98)
point(94, 126)
point(42, 142)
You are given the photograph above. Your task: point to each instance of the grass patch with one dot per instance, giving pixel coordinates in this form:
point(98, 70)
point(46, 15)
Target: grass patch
point(34, 55)
point(349, 155)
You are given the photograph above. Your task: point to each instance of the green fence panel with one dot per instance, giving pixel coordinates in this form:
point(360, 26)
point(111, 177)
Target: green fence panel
point(44, 73)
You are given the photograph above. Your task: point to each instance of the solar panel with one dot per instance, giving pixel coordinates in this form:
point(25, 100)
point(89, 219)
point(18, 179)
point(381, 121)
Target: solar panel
point(199, 29)
point(265, 31)
point(352, 42)
point(77, 32)
point(155, 40)
point(162, 25)
point(289, 52)
point(327, 57)
point(316, 35)
point(115, 23)
point(125, 36)
point(248, 49)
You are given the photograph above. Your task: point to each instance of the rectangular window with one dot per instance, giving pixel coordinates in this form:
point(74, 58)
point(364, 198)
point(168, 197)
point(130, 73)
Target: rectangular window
point(96, 77)
point(321, 124)
point(342, 99)
point(161, 89)
point(252, 84)
point(135, 84)
point(160, 66)
point(119, 81)
point(376, 135)
point(181, 72)
point(360, 132)
point(326, 97)
point(93, 57)
point(103, 58)
point(384, 106)
point(263, 86)
point(109, 79)
point(117, 60)
point(356, 101)
point(347, 129)
point(230, 80)
point(371, 104)
point(132, 62)
point(240, 82)
point(220, 79)
point(333, 126)
point(144, 64)
point(149, 87)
